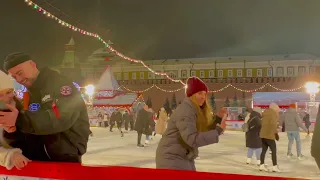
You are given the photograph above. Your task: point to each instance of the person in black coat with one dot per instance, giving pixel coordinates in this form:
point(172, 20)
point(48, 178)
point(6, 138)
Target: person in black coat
point(307, 122)
point(116, 117)
point(253, 141)
point(126, 120)
point(142, 125)
point(315, 145)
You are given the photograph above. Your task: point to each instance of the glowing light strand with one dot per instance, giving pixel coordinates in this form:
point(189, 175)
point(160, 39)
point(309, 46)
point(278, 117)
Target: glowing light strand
point(92, 34)
point(215, 91)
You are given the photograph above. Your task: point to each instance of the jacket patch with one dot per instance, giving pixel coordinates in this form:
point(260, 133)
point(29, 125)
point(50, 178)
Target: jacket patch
point(34, 107)
point(46, 98)
point(66, 90)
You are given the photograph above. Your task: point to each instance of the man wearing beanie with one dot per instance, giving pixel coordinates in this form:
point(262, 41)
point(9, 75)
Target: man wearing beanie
point(188, 129)
point(293, 123)
point(53, 108)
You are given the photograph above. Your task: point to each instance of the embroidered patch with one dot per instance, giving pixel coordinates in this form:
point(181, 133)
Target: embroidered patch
point(46, 98)
point(65, 90)
point(34, 107)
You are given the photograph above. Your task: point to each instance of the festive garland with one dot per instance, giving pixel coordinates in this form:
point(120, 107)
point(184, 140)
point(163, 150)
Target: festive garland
point(214, 91)
point(92, 34)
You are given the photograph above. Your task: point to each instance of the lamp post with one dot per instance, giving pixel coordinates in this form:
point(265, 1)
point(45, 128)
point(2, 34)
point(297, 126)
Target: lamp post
point(312, 89)
point(90, 91)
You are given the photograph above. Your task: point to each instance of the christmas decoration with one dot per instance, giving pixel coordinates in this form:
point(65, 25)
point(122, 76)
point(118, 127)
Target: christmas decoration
point(173, 101)
point(213, 102)
point(227, 102)
point(166, 106)
point(92, 34)
point(215, 91)
point(243, 100)
point(235, 101)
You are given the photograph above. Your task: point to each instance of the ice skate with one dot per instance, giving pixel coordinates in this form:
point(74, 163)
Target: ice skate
point(258, 162)
point(146, 143)
point(301, 157)
point(275, 169)
point(140, 146)
point(248, 161)
point(289, 155)
point(263, 168)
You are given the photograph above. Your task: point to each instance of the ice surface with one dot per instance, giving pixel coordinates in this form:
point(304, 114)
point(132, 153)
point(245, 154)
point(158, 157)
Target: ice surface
point(229, 156)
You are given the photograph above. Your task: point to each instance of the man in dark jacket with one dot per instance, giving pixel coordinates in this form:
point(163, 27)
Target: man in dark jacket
point(315, 145)
point(126, 120)
point(116, 117)
point(142, 125)
point(53, 109)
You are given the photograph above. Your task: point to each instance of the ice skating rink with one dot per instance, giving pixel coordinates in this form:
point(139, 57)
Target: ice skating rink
point(229, 156)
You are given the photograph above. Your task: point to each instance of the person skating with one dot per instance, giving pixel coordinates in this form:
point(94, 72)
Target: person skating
point(293, 124)
point(142, 125)
point(307, 122)
point(253, 140)
point(188, 129)
point(161, 122)
point(268, 135)
point(315, 145)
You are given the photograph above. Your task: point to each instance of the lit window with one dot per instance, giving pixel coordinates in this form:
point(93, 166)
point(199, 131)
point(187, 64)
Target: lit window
point(211, 73)
point(239, 73)
point(259, 72)
point(230, 73)
point(201, 74)
point(220, 73)
point(280, 71)
point(249, 72)
point(141, 75)
point(133, 75)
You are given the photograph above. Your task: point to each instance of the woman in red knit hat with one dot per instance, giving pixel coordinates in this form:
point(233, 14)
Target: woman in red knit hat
point(188, 129)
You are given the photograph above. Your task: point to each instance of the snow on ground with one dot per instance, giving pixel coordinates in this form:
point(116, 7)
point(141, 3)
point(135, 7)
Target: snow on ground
point(229, 156)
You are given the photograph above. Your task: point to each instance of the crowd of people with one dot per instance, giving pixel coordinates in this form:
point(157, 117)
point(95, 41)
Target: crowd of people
point(51, 123)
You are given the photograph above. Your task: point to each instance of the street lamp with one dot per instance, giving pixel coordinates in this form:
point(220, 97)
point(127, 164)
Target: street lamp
point(312, 88)
point(90, 91)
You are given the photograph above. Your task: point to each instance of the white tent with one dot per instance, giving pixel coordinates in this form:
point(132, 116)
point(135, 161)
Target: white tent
point(109, 93)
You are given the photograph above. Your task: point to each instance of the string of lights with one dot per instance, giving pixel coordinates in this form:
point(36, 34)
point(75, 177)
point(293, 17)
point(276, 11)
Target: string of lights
point(215, 91)
point(95, 35)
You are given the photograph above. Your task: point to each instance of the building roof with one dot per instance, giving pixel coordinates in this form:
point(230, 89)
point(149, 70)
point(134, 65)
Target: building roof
point(240, 58)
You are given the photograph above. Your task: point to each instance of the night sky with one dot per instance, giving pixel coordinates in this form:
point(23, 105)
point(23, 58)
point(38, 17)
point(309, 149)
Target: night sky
point(150, 29)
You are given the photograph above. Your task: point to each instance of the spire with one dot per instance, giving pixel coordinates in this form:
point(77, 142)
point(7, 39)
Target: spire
point(71, 42)
point(69, 59)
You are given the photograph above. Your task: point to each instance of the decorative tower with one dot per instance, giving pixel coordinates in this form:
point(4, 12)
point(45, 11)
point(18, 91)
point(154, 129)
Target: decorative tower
point(69, 60)
point(70, 66)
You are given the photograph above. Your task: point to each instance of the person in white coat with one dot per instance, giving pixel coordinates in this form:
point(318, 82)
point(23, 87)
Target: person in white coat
point(9, 157)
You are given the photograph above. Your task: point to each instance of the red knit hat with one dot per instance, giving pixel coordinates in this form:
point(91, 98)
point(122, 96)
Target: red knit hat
point(195, 85)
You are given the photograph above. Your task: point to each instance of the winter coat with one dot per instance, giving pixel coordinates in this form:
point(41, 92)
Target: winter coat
point(179, 144)
point(269, 124)
point(253, 139)
point(307, 122)
point(292, 121)
point(116, 117)
point(6, 153)
point(161, 123)
point(143, 122)
point(315, 145)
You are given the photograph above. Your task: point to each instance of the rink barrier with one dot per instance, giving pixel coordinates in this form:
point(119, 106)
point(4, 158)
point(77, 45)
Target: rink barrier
point(72, 171)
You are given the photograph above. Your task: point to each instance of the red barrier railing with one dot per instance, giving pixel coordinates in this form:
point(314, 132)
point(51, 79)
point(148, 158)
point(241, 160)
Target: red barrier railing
point(71, 171)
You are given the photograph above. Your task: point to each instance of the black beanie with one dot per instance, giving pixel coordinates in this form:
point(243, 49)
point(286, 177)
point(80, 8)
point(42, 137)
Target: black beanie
point(15, 59)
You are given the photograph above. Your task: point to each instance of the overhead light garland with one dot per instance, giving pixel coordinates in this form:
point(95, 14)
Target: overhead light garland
point(215, 91)
point(92, 34)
